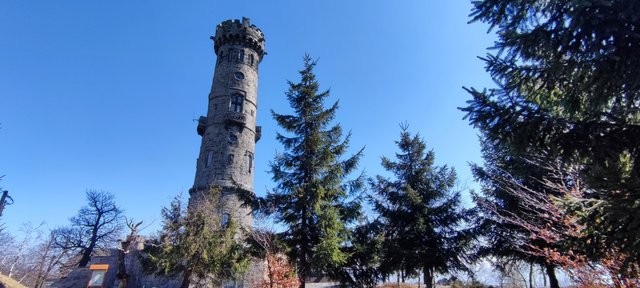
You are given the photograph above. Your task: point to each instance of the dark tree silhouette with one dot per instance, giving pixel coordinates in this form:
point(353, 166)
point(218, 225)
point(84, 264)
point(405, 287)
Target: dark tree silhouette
point(420, 213)
point(97, 225)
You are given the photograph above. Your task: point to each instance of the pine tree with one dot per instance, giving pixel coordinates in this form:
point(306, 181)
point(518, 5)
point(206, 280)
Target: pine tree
point(568, 75)
point(196, 244)
point(420, 212)
point(312, 196)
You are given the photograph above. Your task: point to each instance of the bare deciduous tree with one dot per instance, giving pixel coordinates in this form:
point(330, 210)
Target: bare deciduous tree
point(264, 239)
point(34, 258)
point(97, 225)
point(48, 259)
point(553, 216)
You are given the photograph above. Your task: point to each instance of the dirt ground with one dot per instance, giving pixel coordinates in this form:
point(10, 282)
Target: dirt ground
point(6, 282)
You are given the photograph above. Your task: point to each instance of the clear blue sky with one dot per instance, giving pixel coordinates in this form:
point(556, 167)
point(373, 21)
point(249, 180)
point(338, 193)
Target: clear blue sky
point(101, 94)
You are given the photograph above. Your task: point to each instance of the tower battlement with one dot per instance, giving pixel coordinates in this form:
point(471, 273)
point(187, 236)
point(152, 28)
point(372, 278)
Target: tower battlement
point(241, 33)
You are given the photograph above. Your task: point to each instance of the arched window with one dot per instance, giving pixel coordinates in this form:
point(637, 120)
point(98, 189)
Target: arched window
point(241, 56)
point(237, 102)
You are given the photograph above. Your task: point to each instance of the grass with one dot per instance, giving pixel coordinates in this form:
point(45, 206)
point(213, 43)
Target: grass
point(7, 282)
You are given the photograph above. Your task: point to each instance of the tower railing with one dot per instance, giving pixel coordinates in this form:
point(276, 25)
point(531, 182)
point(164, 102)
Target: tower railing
point(236, 117)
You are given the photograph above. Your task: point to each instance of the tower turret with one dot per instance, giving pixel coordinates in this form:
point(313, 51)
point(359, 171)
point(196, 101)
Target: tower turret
point(229, 130)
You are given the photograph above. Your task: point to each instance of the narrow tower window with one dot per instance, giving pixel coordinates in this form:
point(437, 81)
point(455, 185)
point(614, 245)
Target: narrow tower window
point(224, 221)
point(241, 56)
point(249, 162)
point(232, 54)
point(209, 159)
point(251, 59)
point(236, 103)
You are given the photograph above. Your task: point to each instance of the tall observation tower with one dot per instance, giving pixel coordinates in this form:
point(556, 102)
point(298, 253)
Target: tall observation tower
point(229, 130)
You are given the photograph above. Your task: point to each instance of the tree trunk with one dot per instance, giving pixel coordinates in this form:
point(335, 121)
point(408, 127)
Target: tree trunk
point(553, 281)
point(122, 269)
point(13, 265)
point(40, 278)
point(530, 275)
point(186, 279)
point(53, 261)
point(304, 248)
point(86, 254)
point(270, 270)
point(428, 277)
point(86, 257)
point(3, 199)
point(303, 279)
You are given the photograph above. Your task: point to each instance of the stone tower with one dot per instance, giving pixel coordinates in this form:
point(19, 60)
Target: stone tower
point(229, 130)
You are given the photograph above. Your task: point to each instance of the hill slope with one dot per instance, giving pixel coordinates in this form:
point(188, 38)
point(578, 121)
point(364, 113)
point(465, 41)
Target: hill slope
point(7, 282)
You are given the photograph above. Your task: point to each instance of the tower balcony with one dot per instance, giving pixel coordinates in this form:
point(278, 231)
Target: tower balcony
point(258, 133)
point(235, 117)
point(202, 125)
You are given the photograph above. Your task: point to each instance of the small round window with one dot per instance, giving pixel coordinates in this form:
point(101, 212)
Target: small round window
point(238, 76)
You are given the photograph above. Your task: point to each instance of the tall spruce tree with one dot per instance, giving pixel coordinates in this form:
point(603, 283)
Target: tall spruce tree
point(312, 195)
point(420, 212)
point(568, 75)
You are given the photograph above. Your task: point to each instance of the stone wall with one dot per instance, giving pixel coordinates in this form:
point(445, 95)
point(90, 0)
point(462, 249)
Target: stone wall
point(79, 277)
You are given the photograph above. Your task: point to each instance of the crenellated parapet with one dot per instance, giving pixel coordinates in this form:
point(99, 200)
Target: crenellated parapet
point(236, 32)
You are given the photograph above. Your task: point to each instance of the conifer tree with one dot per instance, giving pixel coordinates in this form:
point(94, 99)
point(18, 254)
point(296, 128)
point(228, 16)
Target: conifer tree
point(312, 196)
point(420, 212)
point(568, 84)
point(196, 244)
point(361, 268)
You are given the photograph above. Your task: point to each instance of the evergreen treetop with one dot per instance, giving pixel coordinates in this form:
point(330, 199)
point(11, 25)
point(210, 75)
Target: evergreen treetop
point(312, 196)
point(420, 212)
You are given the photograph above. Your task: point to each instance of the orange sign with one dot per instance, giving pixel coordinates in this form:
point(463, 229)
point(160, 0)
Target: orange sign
point(99, 267)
